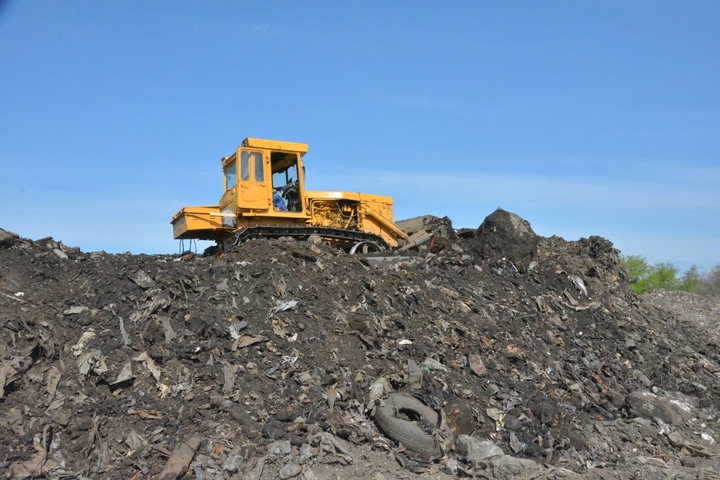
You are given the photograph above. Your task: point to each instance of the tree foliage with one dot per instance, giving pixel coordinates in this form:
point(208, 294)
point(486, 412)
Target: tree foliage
point(691, 280)
point(644, 278)
point(710, 284)
point(637, 268)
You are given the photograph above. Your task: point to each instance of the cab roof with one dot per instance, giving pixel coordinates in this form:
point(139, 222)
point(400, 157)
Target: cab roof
point(300, 148)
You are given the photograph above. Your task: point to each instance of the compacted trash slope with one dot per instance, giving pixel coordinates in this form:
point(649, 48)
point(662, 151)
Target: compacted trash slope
point(490, 354)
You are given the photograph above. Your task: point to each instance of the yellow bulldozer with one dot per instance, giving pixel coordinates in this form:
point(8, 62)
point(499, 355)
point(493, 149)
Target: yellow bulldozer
point(265, 197)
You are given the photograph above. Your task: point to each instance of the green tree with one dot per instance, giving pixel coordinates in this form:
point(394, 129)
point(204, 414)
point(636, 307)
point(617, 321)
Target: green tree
point(691, 280)
point(638, 271)
point(644, 278)
point(663, 276)
point(637, 267)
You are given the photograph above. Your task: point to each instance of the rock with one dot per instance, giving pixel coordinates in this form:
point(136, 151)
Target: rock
point(279, 448)
point(290, 470)
point(672, 408)
point(507, 466)
point(7, 239)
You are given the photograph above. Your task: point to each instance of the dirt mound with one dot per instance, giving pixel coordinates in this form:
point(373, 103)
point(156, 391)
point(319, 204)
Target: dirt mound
point(271, 362)
point(505, 237)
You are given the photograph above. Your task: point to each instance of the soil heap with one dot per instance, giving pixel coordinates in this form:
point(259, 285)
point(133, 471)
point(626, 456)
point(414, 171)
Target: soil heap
point(494, 354)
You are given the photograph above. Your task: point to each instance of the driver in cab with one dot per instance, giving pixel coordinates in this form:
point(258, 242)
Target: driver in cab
point(278, 201)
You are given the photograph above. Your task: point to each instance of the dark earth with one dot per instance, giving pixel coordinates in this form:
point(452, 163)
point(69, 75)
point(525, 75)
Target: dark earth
point(275, 360)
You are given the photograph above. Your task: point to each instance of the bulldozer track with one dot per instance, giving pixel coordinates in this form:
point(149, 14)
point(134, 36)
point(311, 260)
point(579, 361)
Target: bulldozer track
point(346, 238)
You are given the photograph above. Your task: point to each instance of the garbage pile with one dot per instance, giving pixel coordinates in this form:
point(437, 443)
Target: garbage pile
point(496, 353)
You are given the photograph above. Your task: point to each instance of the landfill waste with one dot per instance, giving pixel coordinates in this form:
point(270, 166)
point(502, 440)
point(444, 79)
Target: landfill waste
point(488, 353)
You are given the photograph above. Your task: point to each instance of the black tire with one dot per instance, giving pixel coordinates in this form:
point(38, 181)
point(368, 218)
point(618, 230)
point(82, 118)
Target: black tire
point(405, 432)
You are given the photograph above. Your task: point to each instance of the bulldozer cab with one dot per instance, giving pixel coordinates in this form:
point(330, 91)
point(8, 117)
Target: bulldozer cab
point(264, 177)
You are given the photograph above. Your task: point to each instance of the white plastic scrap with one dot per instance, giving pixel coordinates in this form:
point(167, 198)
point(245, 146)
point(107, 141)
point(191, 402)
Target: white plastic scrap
point(289, 360)
point(377, 390)
point(91, 360)
point(682, 405)
point(179, 388)
point(433, 364)
point(707, 438)
point(123, 333)
point(169, 332)
point(125, 374)
point(80, 345)
point(494, 413)
point(236, 328)
point(578, 283)
point(281, 306)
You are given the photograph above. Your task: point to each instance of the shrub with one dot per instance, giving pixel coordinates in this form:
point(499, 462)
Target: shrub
point(691, 280)
point(636, 266)
point(644, 278)
point(710, 284)
point(663, 276)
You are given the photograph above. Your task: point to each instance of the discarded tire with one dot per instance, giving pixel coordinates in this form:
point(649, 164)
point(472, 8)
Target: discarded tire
point(405, 432)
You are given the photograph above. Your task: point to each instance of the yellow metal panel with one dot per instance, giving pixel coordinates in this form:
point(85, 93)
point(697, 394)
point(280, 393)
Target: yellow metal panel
point(197, 222)
point(332, 195)
point(356, 197)
point(372, 198)
point(253, 196)
point(301, 148)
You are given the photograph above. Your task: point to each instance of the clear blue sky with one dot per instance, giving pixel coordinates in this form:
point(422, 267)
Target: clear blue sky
point(583, 117)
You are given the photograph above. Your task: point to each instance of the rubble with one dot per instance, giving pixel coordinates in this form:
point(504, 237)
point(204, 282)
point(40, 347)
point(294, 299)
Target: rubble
point(509, 354)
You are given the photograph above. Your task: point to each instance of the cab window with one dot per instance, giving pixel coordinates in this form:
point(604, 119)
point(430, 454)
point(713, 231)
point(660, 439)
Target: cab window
point(244, 167)
point(259, 170)
point(252, 160)
point(231, 176)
